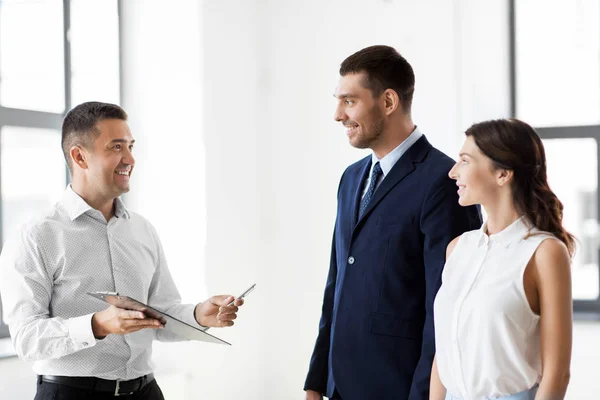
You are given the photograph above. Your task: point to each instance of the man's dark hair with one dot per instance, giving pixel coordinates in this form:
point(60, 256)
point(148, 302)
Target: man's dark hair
point(385, 69)
point(80, 125)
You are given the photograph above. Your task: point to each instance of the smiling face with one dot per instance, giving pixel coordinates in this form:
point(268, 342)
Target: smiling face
point(361, 113)
point(110, 161)
point(475, 176)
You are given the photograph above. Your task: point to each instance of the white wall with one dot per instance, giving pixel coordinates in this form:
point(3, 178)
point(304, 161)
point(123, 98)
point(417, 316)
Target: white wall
point(173, 93)
point(238, 157)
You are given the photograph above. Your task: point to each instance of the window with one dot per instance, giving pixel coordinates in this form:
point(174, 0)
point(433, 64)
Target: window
point(557, 63)
point(556, 88)
point(32, 188)
point(32, 60)
point(71, 56)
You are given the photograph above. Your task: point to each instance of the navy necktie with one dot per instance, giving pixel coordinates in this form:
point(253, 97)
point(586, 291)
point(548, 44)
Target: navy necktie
point(375, 175)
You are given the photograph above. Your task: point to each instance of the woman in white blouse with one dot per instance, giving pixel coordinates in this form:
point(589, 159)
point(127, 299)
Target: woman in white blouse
point(503, 315)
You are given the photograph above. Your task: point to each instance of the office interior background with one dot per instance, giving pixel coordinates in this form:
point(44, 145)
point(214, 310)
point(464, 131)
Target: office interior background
point(238, 156)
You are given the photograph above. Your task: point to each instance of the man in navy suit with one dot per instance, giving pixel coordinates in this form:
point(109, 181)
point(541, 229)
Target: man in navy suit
point(397, 212)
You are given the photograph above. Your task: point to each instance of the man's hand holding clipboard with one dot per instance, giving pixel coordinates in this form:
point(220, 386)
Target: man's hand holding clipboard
point(128, 315)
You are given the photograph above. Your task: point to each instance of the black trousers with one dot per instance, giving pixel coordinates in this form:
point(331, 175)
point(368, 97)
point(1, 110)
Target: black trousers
point(54, 391)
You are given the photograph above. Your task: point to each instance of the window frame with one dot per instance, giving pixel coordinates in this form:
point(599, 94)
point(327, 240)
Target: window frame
point(48, 120)
point(580, 307)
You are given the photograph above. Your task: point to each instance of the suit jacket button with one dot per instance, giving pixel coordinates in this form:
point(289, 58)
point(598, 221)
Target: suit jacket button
point(350, 260)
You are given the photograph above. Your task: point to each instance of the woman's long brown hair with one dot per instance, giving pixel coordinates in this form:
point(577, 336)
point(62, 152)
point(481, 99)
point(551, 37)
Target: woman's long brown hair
point(512, 144)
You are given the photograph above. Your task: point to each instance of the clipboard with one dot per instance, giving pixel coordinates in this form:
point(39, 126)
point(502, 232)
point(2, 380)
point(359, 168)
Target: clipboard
point(174, 325)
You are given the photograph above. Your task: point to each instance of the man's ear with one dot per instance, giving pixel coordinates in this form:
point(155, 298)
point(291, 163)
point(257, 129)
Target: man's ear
point(504, 176)
point(79, 157)
point(391, 101)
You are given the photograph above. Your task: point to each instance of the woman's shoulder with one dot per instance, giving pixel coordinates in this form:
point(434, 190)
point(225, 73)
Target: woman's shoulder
point(551, 249)
point(546, 241)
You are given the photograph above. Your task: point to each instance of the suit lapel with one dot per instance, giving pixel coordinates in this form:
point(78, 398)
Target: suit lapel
point(403, 167)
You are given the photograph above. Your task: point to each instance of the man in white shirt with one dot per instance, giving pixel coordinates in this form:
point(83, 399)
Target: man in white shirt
point(90, 242)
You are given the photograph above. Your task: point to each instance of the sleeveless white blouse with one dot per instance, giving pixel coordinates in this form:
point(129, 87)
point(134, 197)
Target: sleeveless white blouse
point(487, 337)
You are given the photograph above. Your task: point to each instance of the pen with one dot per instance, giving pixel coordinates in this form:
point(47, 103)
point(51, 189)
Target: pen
point(251, 288)
point(241, 296)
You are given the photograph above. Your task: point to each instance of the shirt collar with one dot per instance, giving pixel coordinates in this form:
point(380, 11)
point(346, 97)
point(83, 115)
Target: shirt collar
point(75, 206)
point(390, 159)
point(515, 231)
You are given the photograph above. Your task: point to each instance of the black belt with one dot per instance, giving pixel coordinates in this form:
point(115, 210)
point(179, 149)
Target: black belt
point(118, 388)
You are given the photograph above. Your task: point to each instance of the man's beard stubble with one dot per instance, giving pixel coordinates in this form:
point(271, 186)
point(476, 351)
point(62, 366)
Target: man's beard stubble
point(372, 134)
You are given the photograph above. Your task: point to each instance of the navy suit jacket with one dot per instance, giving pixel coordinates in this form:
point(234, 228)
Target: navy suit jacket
point(376, 337)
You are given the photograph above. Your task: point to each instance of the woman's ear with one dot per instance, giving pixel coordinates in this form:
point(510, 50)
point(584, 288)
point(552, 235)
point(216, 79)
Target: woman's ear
point(504, 176)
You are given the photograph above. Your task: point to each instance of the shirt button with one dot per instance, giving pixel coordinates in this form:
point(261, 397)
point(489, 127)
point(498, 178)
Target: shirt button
point(85, 343)
point(350, 260)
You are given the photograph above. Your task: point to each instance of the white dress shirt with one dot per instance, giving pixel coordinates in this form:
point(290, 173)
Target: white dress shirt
point(390, 159)
point(70, 250)
point(487, 337)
